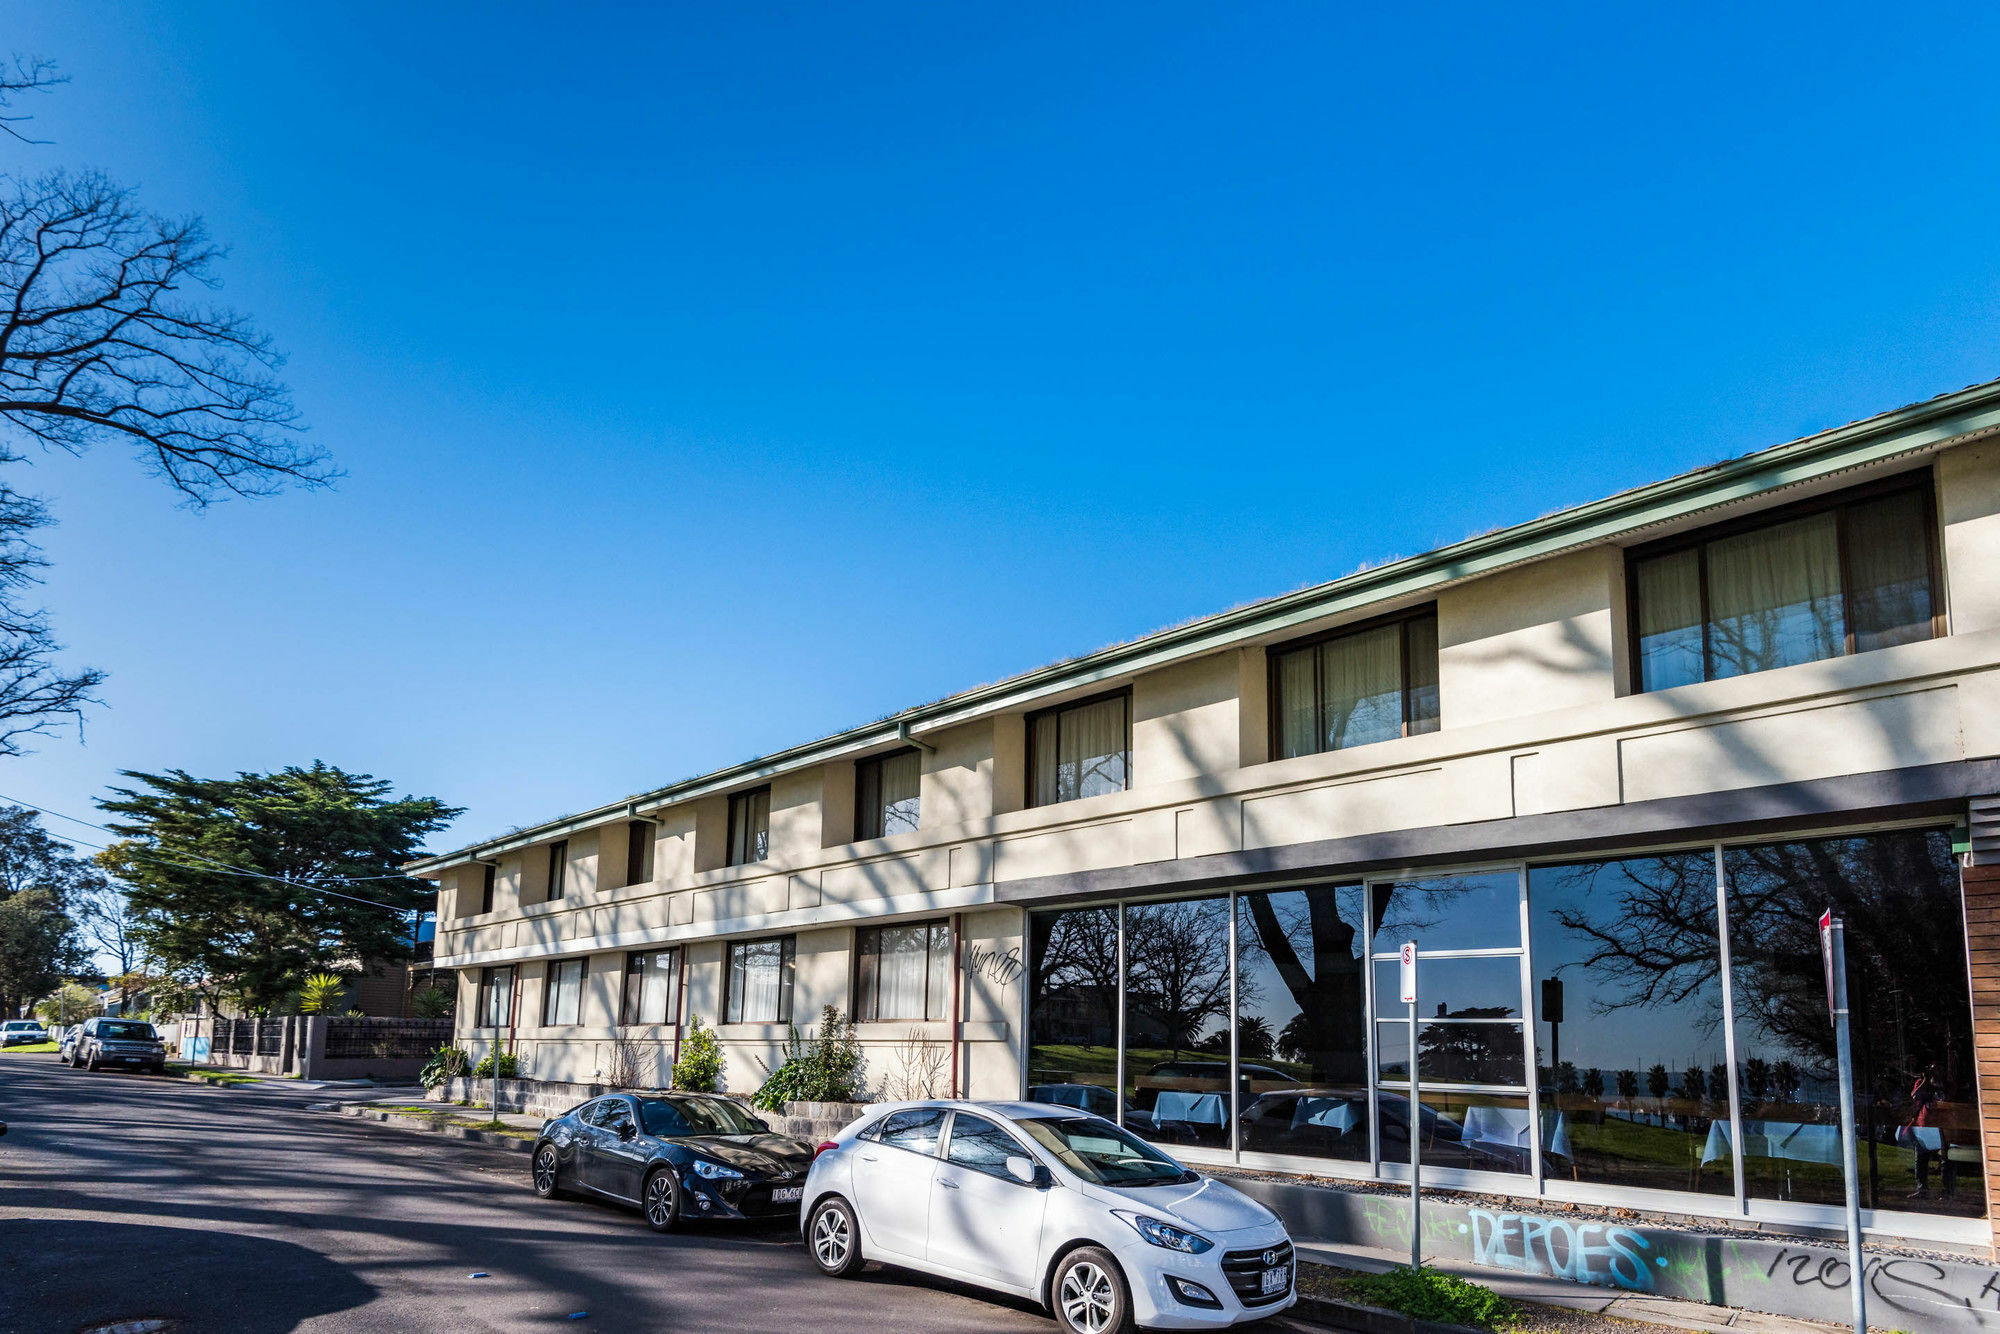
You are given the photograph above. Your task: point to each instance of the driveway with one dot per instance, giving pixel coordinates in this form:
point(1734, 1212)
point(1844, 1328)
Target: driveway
point(126, 1197)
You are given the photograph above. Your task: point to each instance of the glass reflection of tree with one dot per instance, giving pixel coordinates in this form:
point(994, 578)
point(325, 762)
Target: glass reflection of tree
point(1469, 1053)
point(1651, 930)
point(1075, 967)
point(1178, 957)
point(1311, 948)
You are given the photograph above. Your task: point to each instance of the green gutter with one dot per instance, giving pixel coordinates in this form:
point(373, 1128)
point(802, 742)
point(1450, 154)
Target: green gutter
point(1905, 431)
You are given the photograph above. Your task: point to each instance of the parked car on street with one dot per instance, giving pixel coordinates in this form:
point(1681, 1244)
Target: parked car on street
point(1050, 1204)
point(23, 1033)
point(125, 1043)
point(674, 1155)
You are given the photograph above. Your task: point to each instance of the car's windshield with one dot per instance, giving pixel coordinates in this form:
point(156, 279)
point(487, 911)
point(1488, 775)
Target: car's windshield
point(1101, 1153)
point(128, 1031)
point(695, 1116)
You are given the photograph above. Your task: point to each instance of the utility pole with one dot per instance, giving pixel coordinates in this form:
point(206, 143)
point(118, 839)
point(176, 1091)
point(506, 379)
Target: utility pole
point(1416, 1111)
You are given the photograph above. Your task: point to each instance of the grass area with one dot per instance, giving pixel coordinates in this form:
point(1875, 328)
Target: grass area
point(28, 1048)
point(442, 1117)
point(219, 1078)
point(1425, 1294)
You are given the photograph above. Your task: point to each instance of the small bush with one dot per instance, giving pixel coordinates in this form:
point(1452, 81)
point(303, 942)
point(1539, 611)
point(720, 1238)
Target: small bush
point(700, 1066)
point(445, 1063)
point(822, 1068)
point(321, 993)
point(1427, 1294)
point(434, 1002)
point(509, 1066)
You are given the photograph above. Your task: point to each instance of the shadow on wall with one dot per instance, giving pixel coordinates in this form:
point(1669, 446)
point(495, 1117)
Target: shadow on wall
point(210, 1279)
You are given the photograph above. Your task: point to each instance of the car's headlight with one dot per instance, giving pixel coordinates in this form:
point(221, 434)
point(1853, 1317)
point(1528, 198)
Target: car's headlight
point(715, 1171)
point(1166, 1234)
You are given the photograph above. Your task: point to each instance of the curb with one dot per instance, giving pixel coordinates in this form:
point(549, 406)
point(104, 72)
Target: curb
point(426, 1125)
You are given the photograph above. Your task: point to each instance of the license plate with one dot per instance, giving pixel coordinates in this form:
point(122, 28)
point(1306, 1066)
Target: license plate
point(1275, 1280)
point(788, 1194)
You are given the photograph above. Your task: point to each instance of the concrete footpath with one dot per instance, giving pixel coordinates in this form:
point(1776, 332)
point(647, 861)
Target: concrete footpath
point(1546, 1291)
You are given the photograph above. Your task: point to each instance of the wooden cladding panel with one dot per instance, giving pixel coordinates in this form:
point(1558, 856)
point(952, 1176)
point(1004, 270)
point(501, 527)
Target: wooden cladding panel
point(1982, 926)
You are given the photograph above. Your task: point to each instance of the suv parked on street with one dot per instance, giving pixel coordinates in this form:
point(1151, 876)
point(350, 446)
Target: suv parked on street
point(127, 1043)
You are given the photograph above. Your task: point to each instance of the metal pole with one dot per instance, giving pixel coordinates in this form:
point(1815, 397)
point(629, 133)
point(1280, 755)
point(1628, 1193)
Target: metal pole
point(1416, 1132)
point(1118, 1062)
point(1849, 1155)
point(1235, 1083)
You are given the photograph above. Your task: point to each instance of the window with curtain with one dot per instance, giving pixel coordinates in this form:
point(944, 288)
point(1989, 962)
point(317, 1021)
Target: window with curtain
point(562, 992)
point(1852, 575)
point(496, 997)
point(758, 984)
point(1080, 750)
point(749, 827)
point(558, 868)
point(903, 972)
point(1355, 687)
point(650, 981)
point(885, 794)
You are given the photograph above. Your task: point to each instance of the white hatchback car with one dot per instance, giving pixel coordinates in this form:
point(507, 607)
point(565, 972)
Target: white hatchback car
point(1048, 1203)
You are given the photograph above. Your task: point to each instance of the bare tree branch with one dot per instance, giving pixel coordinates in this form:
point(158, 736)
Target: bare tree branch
point(24, 74)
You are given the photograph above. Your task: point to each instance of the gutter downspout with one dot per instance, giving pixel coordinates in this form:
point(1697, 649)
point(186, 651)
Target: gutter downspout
point(909, 738)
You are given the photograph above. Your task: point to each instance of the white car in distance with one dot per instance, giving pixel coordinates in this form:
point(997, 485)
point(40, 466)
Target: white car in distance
point(1049, 1203)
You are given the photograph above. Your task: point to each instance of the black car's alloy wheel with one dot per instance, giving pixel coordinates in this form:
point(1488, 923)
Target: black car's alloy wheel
point(834, 1238)
point(662, 1201)
point(545, 1171)
point(1089, 1295)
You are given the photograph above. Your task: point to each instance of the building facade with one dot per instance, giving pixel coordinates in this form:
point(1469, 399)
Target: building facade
point(1605, 770)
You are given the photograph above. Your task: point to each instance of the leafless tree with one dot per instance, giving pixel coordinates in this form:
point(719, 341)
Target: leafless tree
point(110, 927)
point(920, 1069)
point(109, 334)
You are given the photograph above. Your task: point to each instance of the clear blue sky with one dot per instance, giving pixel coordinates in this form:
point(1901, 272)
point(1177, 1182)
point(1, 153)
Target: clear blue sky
point(709, 378)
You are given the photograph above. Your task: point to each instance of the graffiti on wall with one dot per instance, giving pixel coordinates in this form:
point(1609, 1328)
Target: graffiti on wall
point(1582, 1252)
point(998, 966)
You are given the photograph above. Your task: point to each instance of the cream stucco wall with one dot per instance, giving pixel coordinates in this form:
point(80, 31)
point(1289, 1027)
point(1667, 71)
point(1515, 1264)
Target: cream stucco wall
point(1184, 721)
point(1528, 640)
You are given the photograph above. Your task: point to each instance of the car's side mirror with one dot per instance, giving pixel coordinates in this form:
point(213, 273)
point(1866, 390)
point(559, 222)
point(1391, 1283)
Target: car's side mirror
point(1028, 1173)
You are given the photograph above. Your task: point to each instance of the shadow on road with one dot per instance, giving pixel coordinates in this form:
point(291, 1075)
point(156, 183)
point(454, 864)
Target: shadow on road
point(63, 1274)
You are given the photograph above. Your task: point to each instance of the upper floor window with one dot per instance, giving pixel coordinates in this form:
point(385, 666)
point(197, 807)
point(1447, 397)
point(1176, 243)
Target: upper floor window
point(1832, 577)
point(496, 997)
point(650, 982)
point(638, 852)
point(885, 794)
point(1080, 750)
point(903, 972)
point(486, 886)
point(558, 867)
point(757, 987)
point(1368, 683)
point(749, 826)
point(562, 992)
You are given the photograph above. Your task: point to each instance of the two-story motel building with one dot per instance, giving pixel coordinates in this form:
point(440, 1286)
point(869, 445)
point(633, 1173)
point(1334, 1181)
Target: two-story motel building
point(1606, 769)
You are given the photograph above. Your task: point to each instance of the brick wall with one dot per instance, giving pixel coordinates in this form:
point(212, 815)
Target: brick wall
point(1982, 929)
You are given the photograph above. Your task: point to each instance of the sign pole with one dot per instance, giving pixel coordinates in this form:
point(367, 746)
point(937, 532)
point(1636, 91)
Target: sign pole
point(1834, 952)
point(1416, 1110)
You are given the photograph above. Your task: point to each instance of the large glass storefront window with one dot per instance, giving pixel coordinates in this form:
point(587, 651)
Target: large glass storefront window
point(1177, 1022)
point(1916, 1107)
point(1073, 1009)
point(1629, 1048)
point(1626, 1081)
point(1302, 1022)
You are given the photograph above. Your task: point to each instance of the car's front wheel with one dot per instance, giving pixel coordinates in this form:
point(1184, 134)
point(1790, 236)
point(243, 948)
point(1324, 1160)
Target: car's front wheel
point(834, 1238)
point(1089, 1294)
point(545, 1170)
point(661, 1200)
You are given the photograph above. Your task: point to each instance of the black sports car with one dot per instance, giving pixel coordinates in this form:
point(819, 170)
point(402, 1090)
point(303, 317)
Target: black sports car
point(675, 1156)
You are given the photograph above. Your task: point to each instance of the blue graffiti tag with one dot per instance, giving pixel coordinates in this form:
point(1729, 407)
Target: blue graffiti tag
point(1527, 1243)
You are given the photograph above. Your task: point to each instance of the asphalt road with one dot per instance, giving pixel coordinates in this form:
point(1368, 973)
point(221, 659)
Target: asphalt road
point(127, 1197)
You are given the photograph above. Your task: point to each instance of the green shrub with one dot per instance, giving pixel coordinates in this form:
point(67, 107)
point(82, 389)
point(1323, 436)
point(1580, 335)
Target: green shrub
point(445, 1063)
point(509, 1067)
point(434, 1002)
point(700, 1066)
point(321, 993)
point(1427, 1294)
point(823, 1068)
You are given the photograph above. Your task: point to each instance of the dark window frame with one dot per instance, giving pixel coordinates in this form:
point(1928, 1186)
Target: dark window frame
point(558, 870)
point(549, 991)
point(1274, 708)
point(1122, 692)
point(738, 802)
point(1922, 482)
point(787, 978)
point(638, 850)
point(491, 877)
point(872, 1015)
point(489, 978)
point(863, 827)
point(626, 1003)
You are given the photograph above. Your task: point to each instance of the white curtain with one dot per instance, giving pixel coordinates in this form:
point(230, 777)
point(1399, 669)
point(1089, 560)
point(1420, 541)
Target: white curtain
point(1298, 710)
point(900, 973)
point(1774, 597)
point(1891, 598)
point(756, 976)
point(565, 984)
point(1670, 621)
point(900, 777)
point(649, 987)
point(1361, 687)
point(1093, 757)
